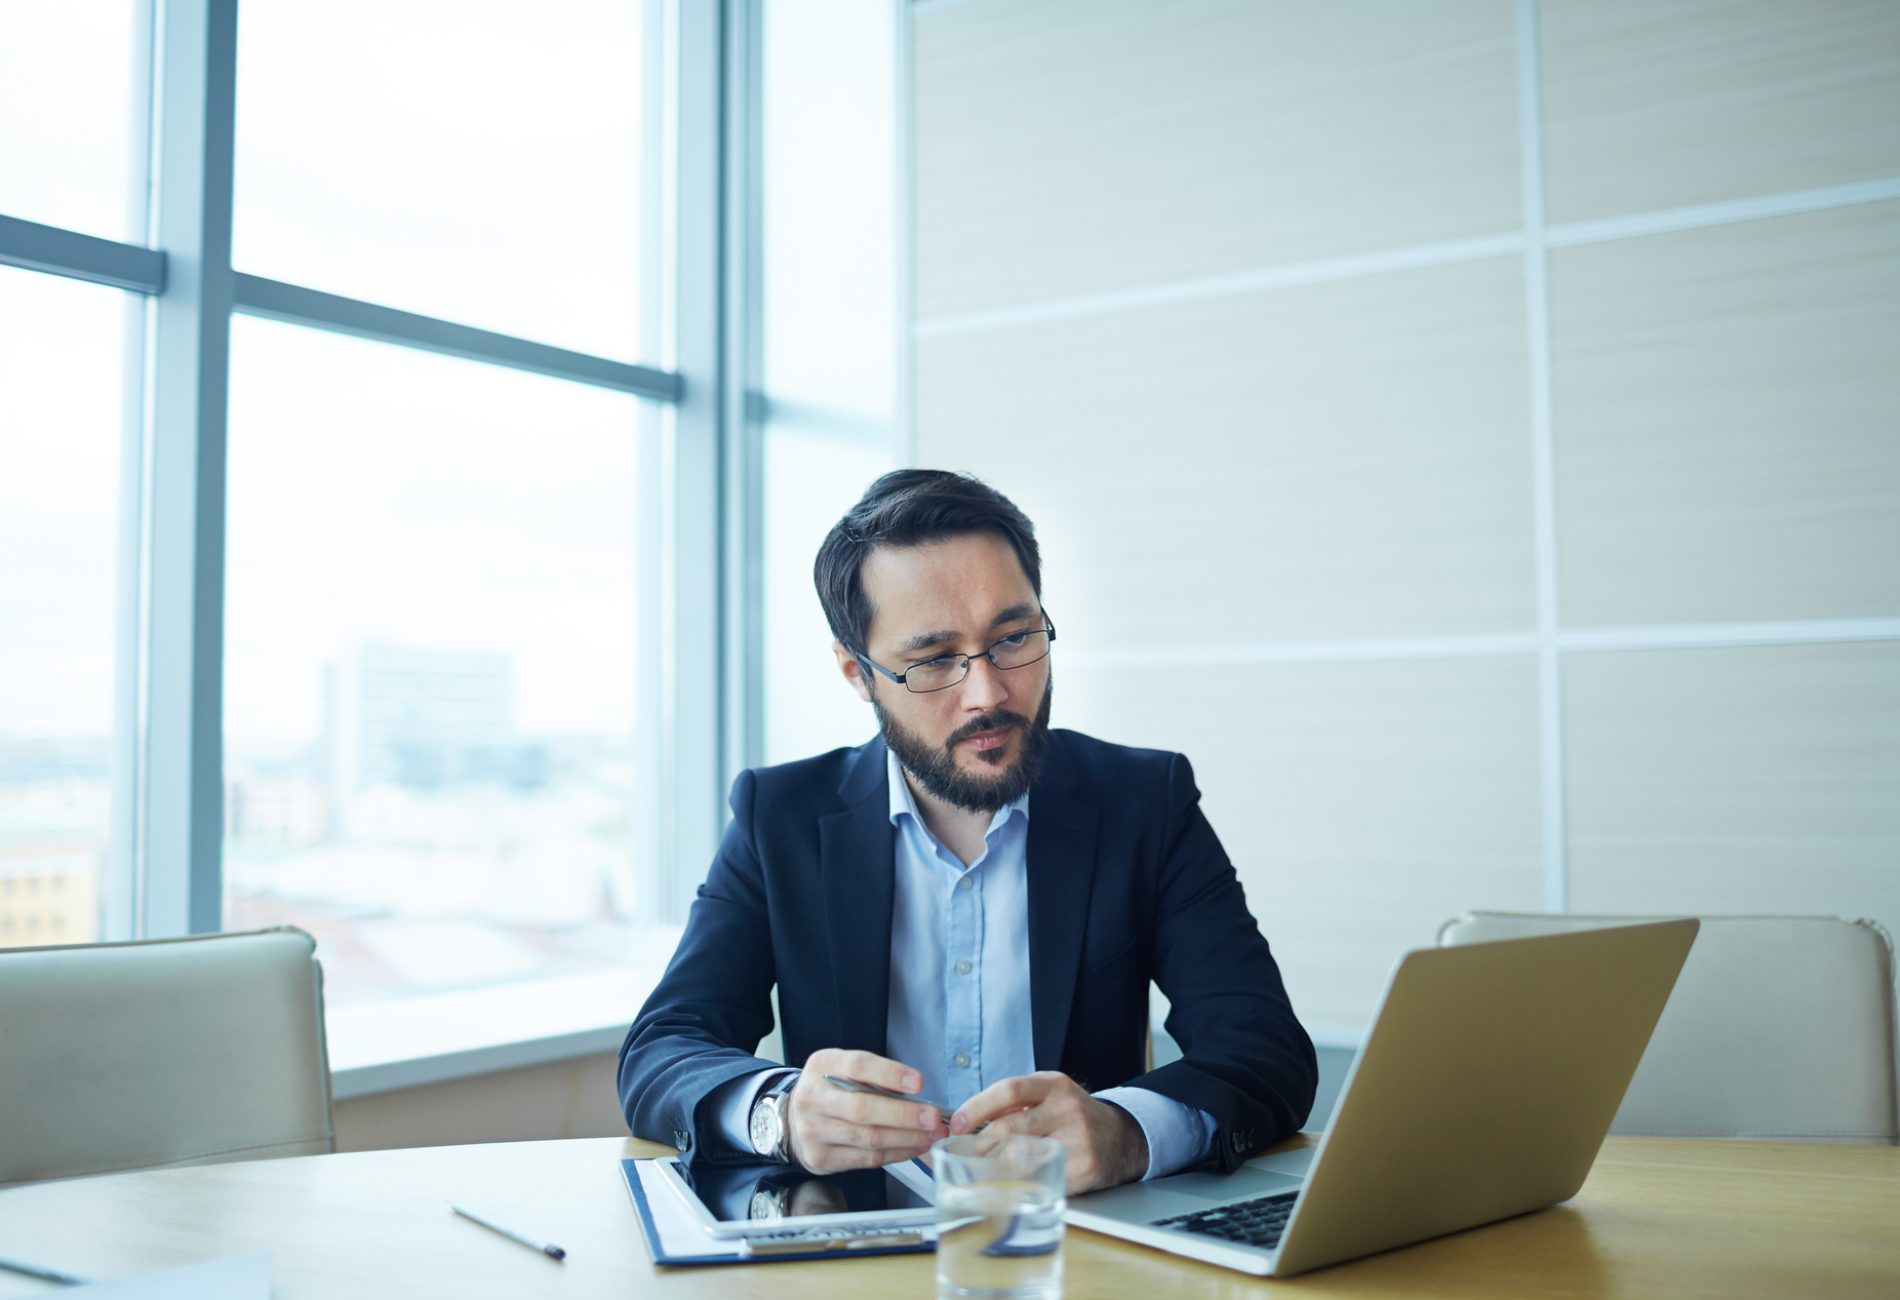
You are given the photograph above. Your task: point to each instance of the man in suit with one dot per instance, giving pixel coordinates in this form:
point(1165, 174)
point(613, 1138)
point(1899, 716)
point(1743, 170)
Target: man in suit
point(969, 908)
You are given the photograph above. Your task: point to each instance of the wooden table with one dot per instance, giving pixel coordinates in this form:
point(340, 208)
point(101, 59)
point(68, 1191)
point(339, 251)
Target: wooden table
point(1656, 1218)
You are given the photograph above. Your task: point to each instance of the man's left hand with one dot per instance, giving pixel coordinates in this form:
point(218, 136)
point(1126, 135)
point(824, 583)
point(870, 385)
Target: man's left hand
point(1105, 1145)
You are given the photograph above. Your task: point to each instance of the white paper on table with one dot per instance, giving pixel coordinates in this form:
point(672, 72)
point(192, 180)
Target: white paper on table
point(237, 1277)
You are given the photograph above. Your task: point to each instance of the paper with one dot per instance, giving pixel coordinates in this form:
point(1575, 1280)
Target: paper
point(239, 1277)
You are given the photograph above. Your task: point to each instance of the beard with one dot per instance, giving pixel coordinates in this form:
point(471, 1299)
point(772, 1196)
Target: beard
point(935, 766)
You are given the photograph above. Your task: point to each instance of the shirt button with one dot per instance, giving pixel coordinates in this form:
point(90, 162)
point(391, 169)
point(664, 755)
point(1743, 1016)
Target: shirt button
point(968, 882)
point(963, 1060)
point(963, 968)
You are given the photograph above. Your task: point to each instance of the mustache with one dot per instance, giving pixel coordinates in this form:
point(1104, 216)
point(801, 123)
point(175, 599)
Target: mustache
point(988, 722)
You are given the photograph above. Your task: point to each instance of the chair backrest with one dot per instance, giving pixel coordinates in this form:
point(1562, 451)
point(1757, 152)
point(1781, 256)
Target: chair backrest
point(169, 1052)
point(1779, 1027)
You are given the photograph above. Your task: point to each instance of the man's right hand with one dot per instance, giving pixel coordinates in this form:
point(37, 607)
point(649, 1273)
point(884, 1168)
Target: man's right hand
point(832, 1129)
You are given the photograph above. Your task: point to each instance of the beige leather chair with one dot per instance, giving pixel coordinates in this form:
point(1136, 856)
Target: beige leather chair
point(171, 1052)
point(1780, 1027)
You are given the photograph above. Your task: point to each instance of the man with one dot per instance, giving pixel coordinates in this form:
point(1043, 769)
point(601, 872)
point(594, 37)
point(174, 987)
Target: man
point(969, 908)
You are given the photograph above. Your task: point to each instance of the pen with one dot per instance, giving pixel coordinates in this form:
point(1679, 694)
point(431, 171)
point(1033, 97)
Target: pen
point(546, 1248)
point(43, 1274)
point(858, 1085)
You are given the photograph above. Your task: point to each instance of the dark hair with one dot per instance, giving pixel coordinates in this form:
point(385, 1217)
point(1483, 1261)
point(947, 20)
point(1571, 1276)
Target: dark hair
point(909, 507)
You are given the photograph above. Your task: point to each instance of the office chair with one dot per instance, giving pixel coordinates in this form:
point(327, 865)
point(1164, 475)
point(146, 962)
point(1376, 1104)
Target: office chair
point(170, 1052)
point(1780, 1027)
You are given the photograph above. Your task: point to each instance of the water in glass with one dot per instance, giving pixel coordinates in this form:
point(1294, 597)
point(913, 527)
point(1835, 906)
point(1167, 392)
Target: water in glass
point(999, 1218)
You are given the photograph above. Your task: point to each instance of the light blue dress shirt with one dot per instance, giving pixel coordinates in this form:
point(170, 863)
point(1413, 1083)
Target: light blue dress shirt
point(959, 990)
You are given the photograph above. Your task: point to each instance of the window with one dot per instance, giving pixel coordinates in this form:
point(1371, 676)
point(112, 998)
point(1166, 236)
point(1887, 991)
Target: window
point(436, 516)
point(829, 335)
point(489, 162)
point(72, 114)
point(61, 360)
point(432, 658)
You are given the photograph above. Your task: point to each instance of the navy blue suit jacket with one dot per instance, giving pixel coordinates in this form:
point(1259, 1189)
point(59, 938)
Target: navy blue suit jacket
point(1127, 884)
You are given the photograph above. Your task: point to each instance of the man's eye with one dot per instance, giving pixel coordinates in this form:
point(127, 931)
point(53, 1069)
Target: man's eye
point(1015, 640)
point(931, 665)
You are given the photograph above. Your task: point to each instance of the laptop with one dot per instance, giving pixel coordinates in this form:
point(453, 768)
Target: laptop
point(1484, 1089)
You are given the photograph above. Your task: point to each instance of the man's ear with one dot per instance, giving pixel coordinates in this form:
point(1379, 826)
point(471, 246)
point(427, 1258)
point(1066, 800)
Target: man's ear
point(853, 671)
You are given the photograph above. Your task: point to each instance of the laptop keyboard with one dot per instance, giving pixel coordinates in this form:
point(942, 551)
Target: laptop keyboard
point(1258, 1222)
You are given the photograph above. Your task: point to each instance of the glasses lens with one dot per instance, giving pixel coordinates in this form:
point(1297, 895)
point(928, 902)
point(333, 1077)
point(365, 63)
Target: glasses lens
point(1018, 651)
point(935, 675)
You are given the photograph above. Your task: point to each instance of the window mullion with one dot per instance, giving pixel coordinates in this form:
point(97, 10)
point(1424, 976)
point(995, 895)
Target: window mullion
point(691, 729)
point(179, 804)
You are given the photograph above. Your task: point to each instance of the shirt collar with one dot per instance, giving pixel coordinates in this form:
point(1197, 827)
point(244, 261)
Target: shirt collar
point(903, 804)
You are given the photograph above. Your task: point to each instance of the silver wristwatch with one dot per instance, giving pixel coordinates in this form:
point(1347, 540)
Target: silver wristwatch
point(768, 1204)
point(771, 1128)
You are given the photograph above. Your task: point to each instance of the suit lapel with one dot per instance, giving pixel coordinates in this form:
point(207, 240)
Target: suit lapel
point(857, 857)
point(1061, 853)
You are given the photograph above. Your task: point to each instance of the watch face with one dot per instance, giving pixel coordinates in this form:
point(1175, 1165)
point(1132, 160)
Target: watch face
point(765, 1126)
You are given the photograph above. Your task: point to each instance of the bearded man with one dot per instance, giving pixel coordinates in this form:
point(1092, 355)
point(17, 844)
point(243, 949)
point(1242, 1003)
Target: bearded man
point(968, 909)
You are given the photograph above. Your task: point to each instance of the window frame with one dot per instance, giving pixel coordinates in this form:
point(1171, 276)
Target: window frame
point(165, 873)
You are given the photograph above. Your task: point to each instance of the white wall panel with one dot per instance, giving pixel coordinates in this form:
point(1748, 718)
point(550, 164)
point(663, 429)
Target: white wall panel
point(1652, 104)
point(1764, 779)
point(1339, 460)
point(1071, 146)
point(1239, 301)
point(1362, 804)
point(1728, 421)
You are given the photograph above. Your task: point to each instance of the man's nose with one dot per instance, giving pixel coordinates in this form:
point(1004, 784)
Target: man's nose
point(984, 688)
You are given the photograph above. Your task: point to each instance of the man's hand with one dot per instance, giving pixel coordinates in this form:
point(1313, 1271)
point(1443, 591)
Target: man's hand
point(815, 1196)
point(832, 1129)
point(1106, 1146)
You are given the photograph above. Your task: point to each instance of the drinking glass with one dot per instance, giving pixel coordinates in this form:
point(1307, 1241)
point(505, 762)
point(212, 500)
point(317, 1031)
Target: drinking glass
point(999, 1216)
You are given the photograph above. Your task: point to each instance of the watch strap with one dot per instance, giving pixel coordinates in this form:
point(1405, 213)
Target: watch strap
point(783, 1091)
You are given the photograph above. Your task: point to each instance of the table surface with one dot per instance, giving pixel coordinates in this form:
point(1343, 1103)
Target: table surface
point(1656, 1217)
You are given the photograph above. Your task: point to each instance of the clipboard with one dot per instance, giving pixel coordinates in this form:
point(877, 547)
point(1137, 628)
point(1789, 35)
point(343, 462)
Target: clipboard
point(674, 1239)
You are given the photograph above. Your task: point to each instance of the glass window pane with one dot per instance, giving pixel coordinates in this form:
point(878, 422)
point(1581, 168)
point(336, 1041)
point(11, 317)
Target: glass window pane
point(829, 331)
point(62, 345)
point(432, 663)
point(72, 114)
point(829, 176)
point(485, 161)
point(812, 477)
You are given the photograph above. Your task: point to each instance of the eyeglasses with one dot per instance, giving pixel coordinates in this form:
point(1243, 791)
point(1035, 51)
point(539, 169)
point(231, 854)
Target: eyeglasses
point(1017, 650)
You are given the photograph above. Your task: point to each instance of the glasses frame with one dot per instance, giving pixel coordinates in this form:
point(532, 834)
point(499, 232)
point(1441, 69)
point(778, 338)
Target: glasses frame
point(1048, 626)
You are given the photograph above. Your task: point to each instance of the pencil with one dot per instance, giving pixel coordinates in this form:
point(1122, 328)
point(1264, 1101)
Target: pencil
point(552, 1251)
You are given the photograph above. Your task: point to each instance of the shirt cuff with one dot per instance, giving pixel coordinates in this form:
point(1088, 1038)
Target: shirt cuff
point(733, 1101)
point(1179, 1135)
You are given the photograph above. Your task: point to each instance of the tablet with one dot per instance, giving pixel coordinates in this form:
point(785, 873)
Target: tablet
point(756, 1200)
